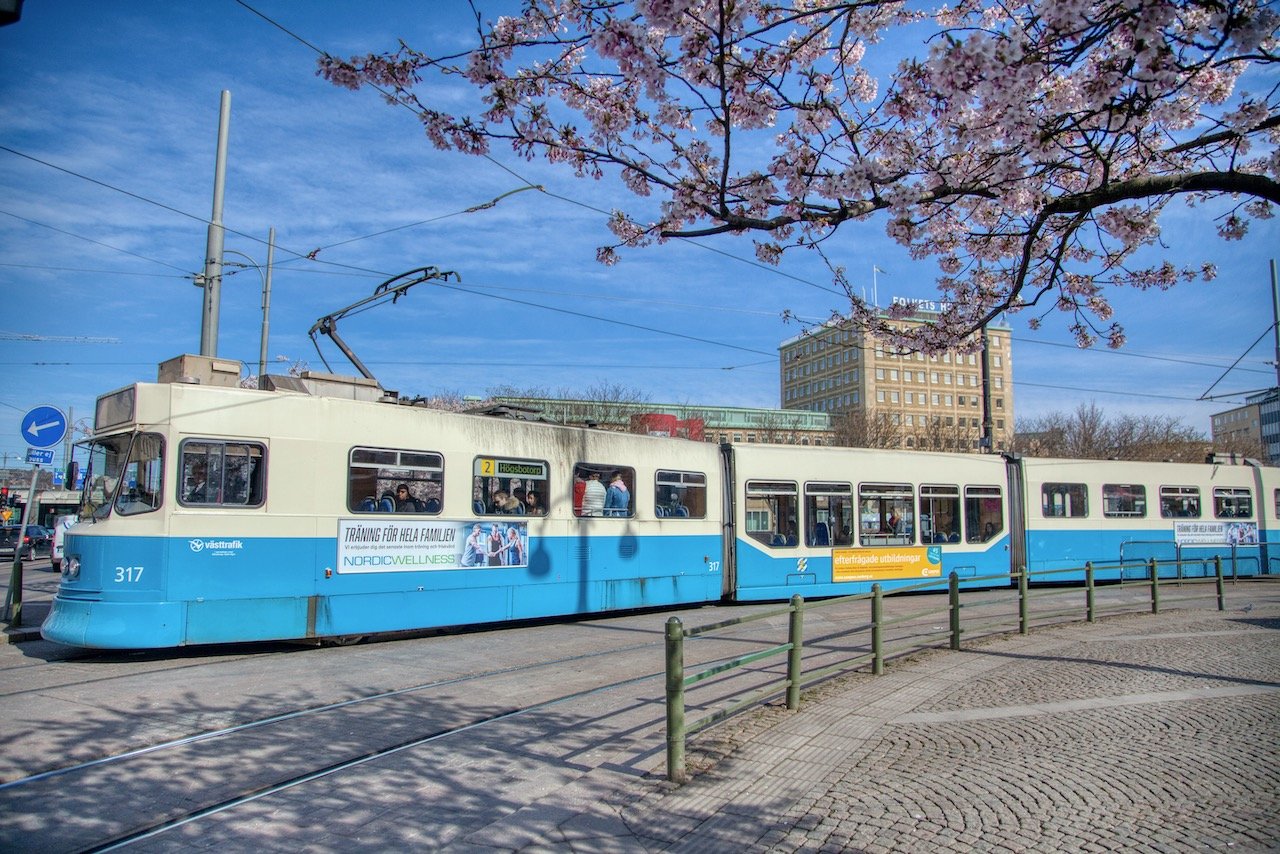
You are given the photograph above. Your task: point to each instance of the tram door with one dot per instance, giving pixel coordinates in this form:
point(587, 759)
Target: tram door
point(728, 525)
point(1017, 514)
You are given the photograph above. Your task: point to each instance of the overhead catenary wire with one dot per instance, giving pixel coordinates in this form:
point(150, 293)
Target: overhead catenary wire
point(362, 271)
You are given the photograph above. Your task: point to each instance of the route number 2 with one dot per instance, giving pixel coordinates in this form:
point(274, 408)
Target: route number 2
point(128, 574)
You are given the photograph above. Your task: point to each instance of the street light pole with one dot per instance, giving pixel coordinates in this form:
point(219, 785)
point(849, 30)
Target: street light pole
point(266, 298)
point(266, 309)
point(211, 280)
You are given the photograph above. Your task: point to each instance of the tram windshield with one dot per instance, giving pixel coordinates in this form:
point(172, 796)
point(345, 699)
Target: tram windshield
point(125, 473)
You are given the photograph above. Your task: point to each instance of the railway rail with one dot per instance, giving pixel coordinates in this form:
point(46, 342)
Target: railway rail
point(496, 708)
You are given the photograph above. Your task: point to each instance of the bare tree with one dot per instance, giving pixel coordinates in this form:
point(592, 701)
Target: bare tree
point(867, 429)
point(603, 404)
point(942, 433)
point(1088, 433)
point(772, 428)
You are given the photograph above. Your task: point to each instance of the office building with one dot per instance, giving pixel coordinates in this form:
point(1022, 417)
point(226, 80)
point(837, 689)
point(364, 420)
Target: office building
point(900, 399)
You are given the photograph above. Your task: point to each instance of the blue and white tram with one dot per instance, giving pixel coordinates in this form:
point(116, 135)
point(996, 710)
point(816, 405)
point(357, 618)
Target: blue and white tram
point(1119, 514)
point(226, 514)
point(834, 521)
point(217, 515)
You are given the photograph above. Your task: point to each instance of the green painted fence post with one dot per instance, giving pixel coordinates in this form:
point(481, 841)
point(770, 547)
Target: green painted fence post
point(1089, 612)
point(1155, 585)
point(954, 596)
point(675, 702)
point(1217, 571)
point(877, 630)
point(796, 638)
point(1023, 603)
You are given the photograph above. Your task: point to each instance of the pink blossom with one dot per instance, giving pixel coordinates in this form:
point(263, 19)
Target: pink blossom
point(1016, 148)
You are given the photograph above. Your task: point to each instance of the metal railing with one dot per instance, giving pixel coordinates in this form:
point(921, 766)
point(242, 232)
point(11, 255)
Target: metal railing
point(677, 681)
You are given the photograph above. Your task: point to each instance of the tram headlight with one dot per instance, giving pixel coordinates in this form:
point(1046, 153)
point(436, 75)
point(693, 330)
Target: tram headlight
point(71, 567)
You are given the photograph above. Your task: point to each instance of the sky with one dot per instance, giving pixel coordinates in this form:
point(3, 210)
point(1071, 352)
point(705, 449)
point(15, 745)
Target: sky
point(108, 131)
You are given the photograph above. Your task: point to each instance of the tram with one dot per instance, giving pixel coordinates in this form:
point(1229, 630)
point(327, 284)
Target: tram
point(323, 507)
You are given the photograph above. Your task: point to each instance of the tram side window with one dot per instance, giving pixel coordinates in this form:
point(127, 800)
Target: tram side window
point(1180, 502)
point(828, 513)
point(940, 514)
point(886, 514)
point(771, 512)
point(1124, 499)
point(142, 480)
point(983, 513)
point(1064, 500)
point(509, 487)
point(603, 490)
point(680, 494)
point(386, 480)
point(1231, 502)
point(217, 473)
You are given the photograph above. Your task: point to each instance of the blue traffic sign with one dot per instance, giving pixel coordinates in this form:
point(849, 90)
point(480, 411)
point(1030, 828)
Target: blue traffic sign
point(40, 457)
point(44, 426)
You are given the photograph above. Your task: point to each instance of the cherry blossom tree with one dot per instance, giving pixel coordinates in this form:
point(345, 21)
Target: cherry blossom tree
point(1029, 147)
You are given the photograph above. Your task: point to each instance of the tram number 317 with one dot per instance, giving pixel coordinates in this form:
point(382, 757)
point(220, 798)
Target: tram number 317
point(128, 574)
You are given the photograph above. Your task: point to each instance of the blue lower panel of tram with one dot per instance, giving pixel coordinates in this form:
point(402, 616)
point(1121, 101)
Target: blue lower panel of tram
point(154, 592)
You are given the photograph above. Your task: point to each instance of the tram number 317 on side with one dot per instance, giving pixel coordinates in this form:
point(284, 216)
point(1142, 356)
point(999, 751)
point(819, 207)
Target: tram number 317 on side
point(128, 574)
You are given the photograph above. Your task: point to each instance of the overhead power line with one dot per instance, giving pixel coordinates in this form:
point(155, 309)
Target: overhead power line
point(59, 339)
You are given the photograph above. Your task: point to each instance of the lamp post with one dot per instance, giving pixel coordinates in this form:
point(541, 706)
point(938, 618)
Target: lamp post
point(266, 299)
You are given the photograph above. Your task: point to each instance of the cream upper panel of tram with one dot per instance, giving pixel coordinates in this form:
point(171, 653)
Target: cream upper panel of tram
point(309, 439)
point(1110, 487)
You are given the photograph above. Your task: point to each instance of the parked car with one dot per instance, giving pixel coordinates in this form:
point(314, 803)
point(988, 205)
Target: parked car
point(41, 539)
point(60, 526)
point(9, 540)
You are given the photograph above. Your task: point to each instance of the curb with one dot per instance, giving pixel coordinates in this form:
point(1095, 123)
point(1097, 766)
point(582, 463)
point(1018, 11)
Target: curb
point(21, 634)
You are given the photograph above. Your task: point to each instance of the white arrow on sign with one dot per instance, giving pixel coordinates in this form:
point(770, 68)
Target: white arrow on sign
point(35, 429)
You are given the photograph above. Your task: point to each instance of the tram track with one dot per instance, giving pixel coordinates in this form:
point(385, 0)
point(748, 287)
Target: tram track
point(238, 765)
point(315, 710)
point(199, 776)
point(142, 834)
point(529, 709)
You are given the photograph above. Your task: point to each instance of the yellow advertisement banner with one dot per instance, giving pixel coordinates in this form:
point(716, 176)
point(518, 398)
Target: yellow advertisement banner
point(884, 563)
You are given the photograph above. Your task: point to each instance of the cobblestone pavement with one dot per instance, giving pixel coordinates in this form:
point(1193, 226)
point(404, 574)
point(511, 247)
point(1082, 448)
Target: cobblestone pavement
point(1147, 733)
point(1139, 733)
